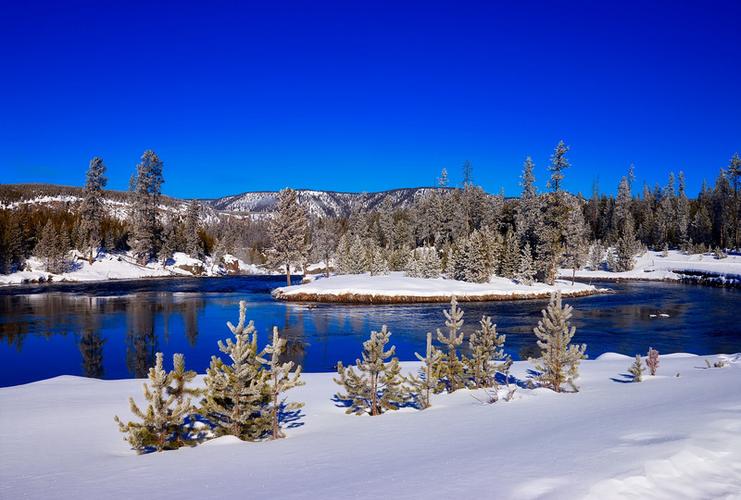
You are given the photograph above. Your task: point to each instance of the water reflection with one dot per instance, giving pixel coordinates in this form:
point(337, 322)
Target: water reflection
point(114, 330)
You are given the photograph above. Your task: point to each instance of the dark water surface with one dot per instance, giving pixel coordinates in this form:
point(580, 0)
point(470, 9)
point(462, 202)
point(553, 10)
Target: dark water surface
point(112, 330)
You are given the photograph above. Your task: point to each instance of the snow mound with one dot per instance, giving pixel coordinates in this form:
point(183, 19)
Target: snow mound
point(612, 356)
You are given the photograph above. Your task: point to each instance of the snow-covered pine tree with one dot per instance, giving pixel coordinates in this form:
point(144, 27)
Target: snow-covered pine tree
point(430, 263)
point(428, 379)
point(559, 163)
point(325, 243)
point(91, 209)
point(474, 259)
point(596, 255)
point(636, 369)
point(528, 217)
point(452, 371)
point(487, 356)
point(342, 255)
point(559, 361)
point(235, 396)
point(510, 256)
point(145, 236)
point(683, 211)
point(288, 230)
point(526, 271)
point(357, 259)
point(378, 265)
point(52, 248)
point(575, 239)
point(163, 416)
point(377, 386)
point(180, 378)
point(193, 245)
point(414, 265)
point(652, 361)
point(279, 378)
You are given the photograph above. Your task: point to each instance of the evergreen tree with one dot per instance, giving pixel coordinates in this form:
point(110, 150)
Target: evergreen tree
point(575, 240)
point(487, 356)
point(92, 210)
point(378, 264)
point(636, 369)
point(342, 255)
point(652, 361)
point(163, 417)
point(683, 211)
point(509, 261)
point(325, 242)
point(526, 271)
point(289, 230)
point(452, 367)
point(52, 248)
point(528, 215)
point(279, 378)
point(733, 173)
point(377, 386)
point(559, 361)
point(474, 259)
point(430, 263)
point(428, 380)
point(145, 236)
point(559, 163)
point(357, 259)
point(235, 391)
point(192, 227)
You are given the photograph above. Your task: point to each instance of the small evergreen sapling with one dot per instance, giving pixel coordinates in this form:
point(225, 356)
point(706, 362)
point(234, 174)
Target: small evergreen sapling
point(280, 378)
point(559, 361)
point(235, 392)
point(486, 350)
point(428, 380)
point(453, 372)
point(376, 386)
point(167, 406)
point(652, 361)
point(636, 369)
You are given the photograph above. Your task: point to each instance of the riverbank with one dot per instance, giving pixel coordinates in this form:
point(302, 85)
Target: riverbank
point(702, 269)
point(397, 288)
point(122, 266)
point(674, 435)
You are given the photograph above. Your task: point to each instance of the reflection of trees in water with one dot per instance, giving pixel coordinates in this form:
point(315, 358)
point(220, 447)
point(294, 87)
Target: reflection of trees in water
point(91, 343)
point(141, 339)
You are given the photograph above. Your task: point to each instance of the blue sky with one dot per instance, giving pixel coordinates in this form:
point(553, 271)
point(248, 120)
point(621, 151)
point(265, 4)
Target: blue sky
point(365, 96)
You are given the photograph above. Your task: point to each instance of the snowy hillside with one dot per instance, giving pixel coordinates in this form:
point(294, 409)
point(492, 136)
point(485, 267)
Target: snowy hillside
point(675, 435)
point(318, 203)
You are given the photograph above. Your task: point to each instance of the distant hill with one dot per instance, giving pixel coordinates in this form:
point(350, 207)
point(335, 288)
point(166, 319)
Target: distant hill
point(256, 203)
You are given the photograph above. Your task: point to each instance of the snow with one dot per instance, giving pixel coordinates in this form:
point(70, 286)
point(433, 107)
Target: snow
point(654, 266)
point(123, 266)
point(667, 437)
point(396, 285)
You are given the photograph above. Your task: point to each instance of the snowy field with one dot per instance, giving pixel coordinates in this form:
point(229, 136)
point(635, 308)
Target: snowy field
point(668, 437)
point(654, 266)
point(397, 287)
point(123, 266)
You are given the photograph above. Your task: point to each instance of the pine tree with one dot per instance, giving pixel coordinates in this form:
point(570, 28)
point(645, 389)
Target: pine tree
point(377, 386)
point(235, 392)
point(193, 245)
point(575, 240)
point(342, 255)
point(652, 361)
point(559, 163)
point(487, 356)
point(91, 209)
point(559, 361)
point(145, 237)
point(528, 215)
point(357, 259)
point(288, 230)
point(636, 369)
point(509, 261)
point(526, 271)
point(325, 242)
point(378, 264)
point(683, 211)
point(452, 367)
point(52, 248)
point(161, 420)
point(430, 263)
point(733, 172)
point(428, 380)
point(474, 259)
point(279, 378)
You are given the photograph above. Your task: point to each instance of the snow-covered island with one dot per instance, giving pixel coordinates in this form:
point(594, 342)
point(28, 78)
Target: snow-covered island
point(675, 435)
point(396, 287)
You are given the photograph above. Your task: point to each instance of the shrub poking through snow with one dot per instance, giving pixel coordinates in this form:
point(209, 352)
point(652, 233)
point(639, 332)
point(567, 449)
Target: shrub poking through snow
point(716, 364)
point(428, 380)
point(167, 406)
point(559, 361)
point(377, 386)
point(453, 371)
point(487, 357)
point(636, 369)
point(280, 378)
point(235, 392)
point(652, 361)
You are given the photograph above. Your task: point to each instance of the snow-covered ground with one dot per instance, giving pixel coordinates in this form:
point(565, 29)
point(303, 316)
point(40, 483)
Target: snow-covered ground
point(123, 266)
point(654, 266)
point(397, 287)
point(676, 435)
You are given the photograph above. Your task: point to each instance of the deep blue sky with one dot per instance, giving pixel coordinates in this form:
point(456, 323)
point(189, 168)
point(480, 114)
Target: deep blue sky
point(365, 96)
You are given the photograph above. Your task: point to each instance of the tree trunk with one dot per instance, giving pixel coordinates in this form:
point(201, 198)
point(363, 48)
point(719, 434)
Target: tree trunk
point(573, 276)
point(288, 274)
